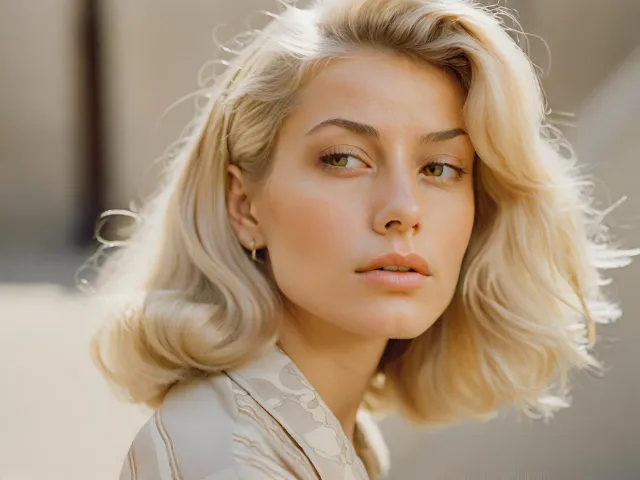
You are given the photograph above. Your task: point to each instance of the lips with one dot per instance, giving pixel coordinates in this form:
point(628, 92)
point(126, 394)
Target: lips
point(394, 281)
point(412, 260)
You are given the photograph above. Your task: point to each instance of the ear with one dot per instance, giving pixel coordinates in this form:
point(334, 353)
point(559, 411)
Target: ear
point(239, 203)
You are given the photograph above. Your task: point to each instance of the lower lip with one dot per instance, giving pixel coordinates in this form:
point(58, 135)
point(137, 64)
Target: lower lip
point(395, 280)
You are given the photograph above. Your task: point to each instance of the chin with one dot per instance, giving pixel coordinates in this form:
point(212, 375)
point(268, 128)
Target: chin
point(400, 326)
point(409, 332)
point(406, 319)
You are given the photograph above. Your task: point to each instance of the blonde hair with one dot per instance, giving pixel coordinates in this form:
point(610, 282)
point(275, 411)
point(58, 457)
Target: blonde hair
point(529, 291)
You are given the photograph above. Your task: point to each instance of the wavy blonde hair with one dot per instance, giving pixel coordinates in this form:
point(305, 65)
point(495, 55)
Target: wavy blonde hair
point(529, 293)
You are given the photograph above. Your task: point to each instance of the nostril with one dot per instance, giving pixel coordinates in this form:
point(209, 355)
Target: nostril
point(392, 222)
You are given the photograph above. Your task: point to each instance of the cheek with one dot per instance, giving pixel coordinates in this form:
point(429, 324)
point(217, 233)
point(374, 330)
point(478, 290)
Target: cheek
point(308, 231)
point(449, 229)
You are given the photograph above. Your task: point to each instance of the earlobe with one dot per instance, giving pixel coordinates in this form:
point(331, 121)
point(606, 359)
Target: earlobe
point(243, 223)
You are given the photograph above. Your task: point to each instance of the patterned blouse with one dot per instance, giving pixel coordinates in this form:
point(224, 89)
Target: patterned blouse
point(261, 421)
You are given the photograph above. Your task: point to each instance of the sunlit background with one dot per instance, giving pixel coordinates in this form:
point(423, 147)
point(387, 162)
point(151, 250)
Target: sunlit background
point(84, 85)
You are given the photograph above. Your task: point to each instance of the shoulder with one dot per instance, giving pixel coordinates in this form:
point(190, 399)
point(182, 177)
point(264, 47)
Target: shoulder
point(189, 437)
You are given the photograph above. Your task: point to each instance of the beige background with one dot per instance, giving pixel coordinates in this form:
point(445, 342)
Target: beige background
point(57, 417)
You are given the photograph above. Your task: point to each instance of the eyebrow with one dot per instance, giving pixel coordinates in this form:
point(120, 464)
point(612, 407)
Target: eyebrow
point(371, 131)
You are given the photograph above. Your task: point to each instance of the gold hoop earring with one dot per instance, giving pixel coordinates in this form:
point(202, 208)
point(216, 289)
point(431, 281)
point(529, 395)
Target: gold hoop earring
point(252, 245)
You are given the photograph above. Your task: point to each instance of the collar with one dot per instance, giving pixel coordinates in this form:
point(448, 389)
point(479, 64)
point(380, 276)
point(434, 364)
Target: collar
point(282, 390)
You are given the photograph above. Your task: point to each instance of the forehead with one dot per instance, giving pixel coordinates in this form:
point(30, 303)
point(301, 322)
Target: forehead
point(384, 87)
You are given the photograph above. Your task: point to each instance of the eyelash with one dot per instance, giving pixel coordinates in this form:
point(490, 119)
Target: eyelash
point(460, 171)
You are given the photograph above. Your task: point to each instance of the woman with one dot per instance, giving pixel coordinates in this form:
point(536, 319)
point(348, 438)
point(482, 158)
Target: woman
point(370, 215)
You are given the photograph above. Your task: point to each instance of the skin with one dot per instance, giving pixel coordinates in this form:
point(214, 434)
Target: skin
point(319, 224)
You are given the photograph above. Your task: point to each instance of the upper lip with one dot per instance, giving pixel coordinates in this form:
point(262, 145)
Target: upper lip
point(411, 260)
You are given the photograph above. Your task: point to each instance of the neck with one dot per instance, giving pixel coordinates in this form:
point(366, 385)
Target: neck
point(338, 364)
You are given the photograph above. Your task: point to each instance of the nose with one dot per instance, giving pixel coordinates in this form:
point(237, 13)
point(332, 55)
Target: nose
point(401, 211)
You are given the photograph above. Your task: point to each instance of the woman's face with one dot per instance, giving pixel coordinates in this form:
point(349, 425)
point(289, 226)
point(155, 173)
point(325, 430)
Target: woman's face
point(373, 160)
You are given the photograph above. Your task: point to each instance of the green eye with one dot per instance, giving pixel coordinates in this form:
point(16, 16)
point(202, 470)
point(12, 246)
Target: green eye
point(434, 170)
point(441, 171)
point(345, 162)
point(338, 160)
point(342, 160)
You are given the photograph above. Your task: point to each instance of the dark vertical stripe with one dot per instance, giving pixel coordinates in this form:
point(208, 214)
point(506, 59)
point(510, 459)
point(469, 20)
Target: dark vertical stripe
point(91, 176)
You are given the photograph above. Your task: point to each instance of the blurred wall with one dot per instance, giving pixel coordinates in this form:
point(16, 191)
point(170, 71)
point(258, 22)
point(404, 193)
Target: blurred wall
point(588, 39)
point(154, 50)
point(38, 122)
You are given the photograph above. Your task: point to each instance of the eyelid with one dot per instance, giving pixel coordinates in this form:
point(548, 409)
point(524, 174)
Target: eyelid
point(347, 150)
point(445, 158)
